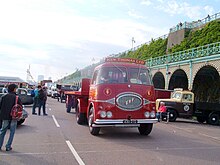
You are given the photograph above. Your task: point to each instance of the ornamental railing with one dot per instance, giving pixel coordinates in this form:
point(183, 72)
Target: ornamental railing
point(195, 24)
point(202, 51)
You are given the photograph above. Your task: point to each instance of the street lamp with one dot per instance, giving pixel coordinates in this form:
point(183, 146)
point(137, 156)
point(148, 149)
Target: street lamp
point(132, 42)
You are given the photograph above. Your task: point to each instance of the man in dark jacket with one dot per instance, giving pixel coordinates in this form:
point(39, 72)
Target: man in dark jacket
point(42, 101)
point(6, 104)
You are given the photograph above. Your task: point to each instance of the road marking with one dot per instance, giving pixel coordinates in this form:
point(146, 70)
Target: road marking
point(79, 160)
point(216, 138)
point(55, 121)
point(49, 109)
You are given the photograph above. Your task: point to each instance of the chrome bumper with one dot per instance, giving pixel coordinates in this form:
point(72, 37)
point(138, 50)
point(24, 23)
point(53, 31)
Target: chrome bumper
point(122, 122)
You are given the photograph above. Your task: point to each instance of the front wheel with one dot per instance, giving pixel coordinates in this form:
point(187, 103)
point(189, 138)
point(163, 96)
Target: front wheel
point(145, 129)
point(172, 115)
point(93, 130)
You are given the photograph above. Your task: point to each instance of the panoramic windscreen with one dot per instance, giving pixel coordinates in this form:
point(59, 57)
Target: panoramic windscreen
point(112, 75)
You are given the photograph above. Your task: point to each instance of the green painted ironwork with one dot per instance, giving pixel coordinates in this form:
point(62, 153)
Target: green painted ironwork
point(202, 51)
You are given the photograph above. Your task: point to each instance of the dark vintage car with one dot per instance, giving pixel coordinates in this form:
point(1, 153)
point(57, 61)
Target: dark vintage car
point(23, 94)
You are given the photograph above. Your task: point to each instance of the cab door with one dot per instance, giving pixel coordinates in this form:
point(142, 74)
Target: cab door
point(187, 105)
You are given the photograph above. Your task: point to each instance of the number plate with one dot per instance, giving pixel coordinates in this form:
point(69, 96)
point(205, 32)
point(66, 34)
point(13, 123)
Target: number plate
point(130, 121)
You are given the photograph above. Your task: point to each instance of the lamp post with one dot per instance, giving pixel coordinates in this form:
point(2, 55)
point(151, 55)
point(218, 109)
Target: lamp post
point(132, 42)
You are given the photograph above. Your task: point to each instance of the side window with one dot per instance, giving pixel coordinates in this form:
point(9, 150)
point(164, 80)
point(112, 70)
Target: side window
point(176, 95)
point(95, 77)
point(187, 97)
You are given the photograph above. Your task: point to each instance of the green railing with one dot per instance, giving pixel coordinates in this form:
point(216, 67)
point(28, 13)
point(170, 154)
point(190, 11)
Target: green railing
point(195, 24)
point(202, 51)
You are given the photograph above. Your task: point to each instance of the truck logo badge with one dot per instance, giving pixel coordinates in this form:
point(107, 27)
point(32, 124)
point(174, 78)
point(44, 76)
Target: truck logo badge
point(129, 101)
point(186, 108)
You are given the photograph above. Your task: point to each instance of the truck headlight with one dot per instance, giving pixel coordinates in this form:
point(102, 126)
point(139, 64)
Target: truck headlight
point(147, 114)
point(102, 114)
point(152, 114)
point(109, 114)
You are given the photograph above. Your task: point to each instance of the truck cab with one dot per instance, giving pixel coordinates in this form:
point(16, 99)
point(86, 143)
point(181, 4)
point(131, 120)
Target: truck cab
point(120, 93)
point(180, 104)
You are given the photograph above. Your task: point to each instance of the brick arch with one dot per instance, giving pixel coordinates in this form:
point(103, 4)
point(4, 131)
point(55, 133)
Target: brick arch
point(159, 72)
point(179, 84)
point(203, 65)
point(184, 69)
point(159, 84)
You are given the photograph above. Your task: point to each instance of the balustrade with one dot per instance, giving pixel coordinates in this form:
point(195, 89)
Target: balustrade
point(202, 51)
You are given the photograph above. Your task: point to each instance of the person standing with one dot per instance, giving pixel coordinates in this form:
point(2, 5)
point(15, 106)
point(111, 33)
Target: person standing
point(6, 104)
point(5, 90)
point(45, 100)
point(36, 99)
point(42, 101)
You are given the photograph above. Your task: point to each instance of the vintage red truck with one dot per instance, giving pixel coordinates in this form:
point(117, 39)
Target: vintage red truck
point(120, 94)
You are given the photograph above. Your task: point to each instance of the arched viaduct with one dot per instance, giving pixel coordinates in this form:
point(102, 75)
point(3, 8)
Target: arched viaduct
point(195, 69)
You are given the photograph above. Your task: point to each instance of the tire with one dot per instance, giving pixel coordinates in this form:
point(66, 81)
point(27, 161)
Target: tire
point(200, 119)
point(93, 130)
point(172, 115)
point(145, 129)
point(213, 119)
point(80, 117)
point(20, 121)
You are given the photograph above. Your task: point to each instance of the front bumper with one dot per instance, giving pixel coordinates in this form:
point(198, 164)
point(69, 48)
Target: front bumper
point(122, 122)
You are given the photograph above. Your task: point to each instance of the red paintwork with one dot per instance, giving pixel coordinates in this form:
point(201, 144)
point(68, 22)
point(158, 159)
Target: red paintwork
point(162, 93)
point(96, 95)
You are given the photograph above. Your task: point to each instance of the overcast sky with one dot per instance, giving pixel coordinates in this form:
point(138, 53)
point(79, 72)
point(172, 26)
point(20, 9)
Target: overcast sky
point(55, 37)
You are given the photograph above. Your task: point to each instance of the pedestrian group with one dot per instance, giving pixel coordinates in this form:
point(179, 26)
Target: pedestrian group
point(40, 97)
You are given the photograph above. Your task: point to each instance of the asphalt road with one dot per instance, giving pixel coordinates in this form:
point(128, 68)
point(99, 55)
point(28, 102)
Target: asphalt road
point(57, 139)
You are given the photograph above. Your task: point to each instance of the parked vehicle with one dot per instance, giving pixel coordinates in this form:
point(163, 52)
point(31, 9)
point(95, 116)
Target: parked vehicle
point(182, 104)
point(24, 95)
point(120, 94)
point(61, 91)
point(54, 93)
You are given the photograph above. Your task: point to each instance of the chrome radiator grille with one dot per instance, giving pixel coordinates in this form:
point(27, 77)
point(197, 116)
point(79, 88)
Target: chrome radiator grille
point(129, 101)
